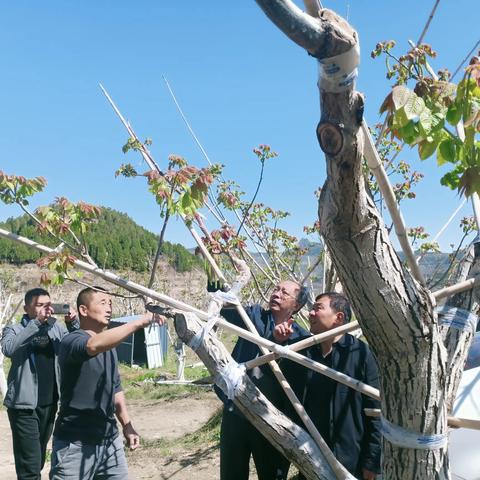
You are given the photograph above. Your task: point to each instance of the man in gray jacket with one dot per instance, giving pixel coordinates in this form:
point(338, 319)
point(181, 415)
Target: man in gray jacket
point(33, 380)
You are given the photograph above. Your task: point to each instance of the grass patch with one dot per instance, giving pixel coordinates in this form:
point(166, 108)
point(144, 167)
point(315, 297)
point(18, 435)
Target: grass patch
point(206, 436)
point(140, 384)
point(152, 391)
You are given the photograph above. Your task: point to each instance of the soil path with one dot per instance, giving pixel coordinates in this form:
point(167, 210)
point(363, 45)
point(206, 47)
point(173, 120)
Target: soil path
point(154, 420)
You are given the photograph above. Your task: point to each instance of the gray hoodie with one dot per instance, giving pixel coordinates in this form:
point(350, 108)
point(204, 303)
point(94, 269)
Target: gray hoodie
point(16, 341)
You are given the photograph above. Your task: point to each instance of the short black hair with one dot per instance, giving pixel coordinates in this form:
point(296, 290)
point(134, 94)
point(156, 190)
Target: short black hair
point(338, 303)
point(86, 294)
point(34, 292)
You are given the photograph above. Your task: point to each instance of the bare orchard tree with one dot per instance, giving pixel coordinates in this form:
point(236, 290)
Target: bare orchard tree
point(396, 312)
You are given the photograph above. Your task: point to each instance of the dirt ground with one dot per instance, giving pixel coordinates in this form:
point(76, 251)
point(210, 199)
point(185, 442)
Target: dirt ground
point(154, 420)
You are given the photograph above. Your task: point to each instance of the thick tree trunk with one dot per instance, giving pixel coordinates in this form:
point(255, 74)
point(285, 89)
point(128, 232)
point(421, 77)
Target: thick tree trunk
point(396, 313)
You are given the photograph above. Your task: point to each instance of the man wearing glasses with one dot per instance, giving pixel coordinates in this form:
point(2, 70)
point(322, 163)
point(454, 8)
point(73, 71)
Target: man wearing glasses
point(239, 439)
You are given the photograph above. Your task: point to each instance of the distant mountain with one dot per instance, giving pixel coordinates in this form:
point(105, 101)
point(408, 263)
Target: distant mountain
point(115, 242)
point(433, 265)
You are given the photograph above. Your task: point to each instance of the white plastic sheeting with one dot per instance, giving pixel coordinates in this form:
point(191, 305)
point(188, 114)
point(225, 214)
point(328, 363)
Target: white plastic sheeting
point(465, 443)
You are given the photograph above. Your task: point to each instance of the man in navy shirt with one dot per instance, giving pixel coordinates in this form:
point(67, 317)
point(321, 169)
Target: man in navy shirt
point(239, 439)
point(86, 443)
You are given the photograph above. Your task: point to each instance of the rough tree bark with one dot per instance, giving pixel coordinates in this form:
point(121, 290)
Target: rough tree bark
point(396, 313)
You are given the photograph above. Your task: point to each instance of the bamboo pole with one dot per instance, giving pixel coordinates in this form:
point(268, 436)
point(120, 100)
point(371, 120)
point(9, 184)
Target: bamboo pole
point(455, 422)
point(306, 362)
point(439, 233)
point(136, 288)
point(457, 288)
point(308, 342)
point(339, 470)
point(375, 164)
point(110, 277)
point(207, 158)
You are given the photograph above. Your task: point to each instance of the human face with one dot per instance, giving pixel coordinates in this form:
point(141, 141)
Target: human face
point(98, 309)
point(39, 307)
point(284, 298)
point(322, 317)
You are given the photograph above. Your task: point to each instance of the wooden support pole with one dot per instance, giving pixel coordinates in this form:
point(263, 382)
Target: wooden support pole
point(307, 342)
point(375, 165)
point(454, 422)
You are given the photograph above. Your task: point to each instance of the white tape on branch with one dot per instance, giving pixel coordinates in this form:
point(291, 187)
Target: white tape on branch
point(401, 437)
point(232, 374)
point(457, 318)
point(197, 340)
point(225, 297)
point(337, 74)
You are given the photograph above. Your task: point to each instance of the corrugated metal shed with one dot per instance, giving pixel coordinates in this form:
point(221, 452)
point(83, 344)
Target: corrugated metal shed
point(147, 346)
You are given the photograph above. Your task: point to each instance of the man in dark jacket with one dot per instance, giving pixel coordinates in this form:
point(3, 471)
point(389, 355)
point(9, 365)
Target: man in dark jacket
point(33, 380)
point(337, 410)
point(239, 439)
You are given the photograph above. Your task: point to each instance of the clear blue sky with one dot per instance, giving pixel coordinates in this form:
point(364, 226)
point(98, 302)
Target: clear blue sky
point(239, 80)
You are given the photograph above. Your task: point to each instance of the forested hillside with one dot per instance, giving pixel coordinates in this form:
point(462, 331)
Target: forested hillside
point(115, 242)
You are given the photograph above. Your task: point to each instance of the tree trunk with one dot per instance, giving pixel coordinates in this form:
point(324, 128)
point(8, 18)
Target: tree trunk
point(396, 313)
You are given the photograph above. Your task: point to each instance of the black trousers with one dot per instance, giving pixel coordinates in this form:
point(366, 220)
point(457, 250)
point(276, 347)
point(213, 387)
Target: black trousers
point(31, 430)
point(239, 440)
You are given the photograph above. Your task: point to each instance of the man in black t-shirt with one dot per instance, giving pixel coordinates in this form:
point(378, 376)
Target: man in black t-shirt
point(86, 443)
point(33, 380)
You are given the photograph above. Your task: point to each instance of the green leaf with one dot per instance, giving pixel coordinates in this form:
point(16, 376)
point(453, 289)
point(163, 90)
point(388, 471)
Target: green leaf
point(400, 96)
point(451, 180)
point(408, 132)
point(426, 149)
point(429, 122)
point(400, 119)
point(454, 114)
point(414, 106)
point(446, 152)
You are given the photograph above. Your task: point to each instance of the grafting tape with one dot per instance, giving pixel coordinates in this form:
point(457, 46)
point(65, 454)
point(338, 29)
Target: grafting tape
point(197, 340)
point(404, 438)
point(457, 318)
point(338, 73)
point(232, 374)
point(225, 297)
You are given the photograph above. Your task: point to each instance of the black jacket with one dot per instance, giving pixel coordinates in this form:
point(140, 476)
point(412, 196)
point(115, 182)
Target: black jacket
point(353, 437)
point(244, 351)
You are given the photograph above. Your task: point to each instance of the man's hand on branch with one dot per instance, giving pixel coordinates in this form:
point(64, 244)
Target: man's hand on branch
point(282, 331)
point(151, 318)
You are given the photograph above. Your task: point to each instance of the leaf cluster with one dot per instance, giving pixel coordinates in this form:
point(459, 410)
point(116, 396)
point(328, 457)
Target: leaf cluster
point(16, 189)
point(423, 116)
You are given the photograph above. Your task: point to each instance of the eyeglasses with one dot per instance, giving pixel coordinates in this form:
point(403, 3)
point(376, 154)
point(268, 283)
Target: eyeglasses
point(283, 292)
